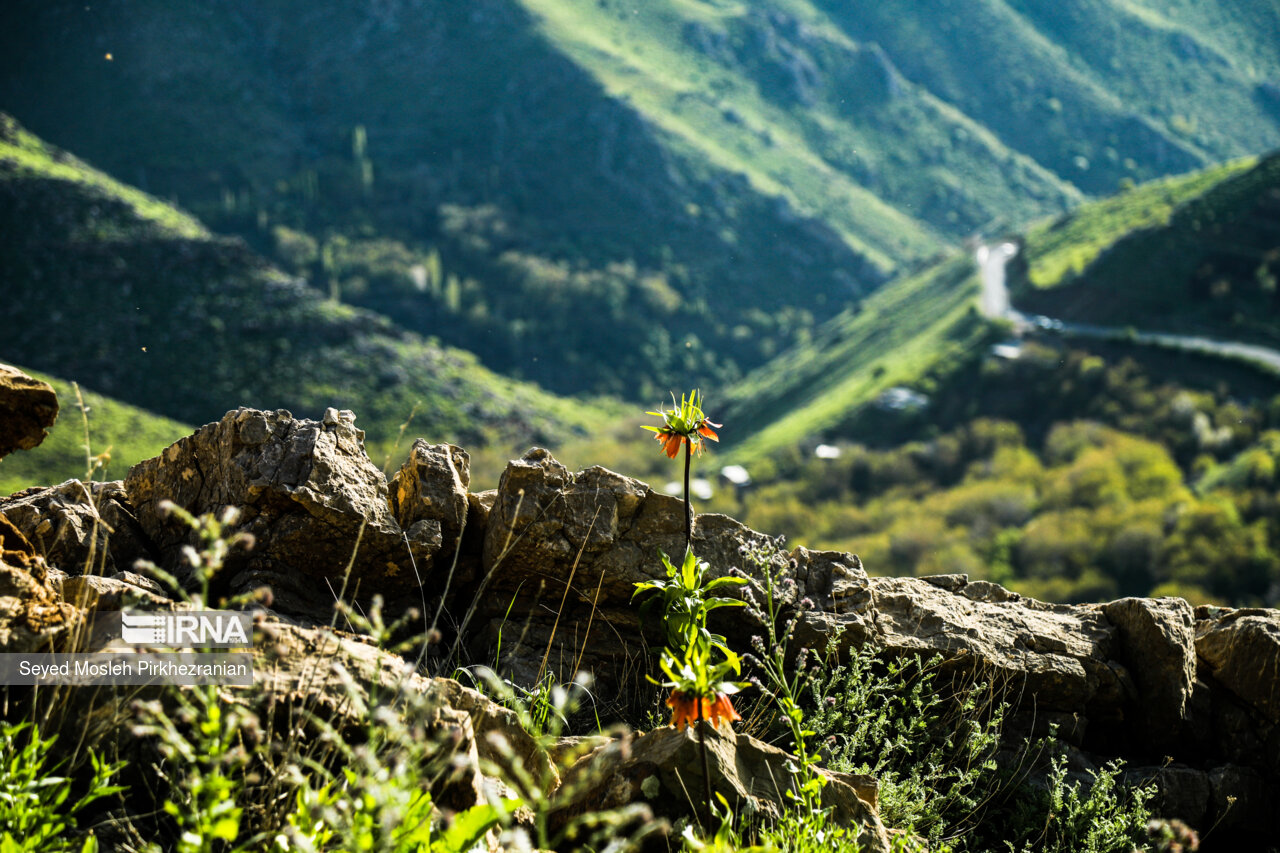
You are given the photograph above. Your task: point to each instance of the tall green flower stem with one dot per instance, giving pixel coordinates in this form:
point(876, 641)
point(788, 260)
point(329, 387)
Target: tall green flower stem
point(699, 689)
point(687, 658)
point(688, 504)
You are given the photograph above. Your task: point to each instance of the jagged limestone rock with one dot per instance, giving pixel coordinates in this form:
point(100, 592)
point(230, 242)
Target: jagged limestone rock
point(310, 497)
point(429, 494)
point(839, 601)
point(1157, 640)
point(1060, 657)
point(28, 407)
point(1242, 650)
point(33, 616)
point(80, 528)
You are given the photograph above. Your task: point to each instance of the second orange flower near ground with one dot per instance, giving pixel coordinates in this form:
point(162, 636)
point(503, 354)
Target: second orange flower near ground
point(684, 709)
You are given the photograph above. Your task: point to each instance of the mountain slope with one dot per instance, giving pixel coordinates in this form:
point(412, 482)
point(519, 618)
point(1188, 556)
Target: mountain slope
point(626, 197)
point(1094, 91)
point(135, 299)
point(909, 328)
point(454, 131)
point(1196, 253)
point(1199, 255)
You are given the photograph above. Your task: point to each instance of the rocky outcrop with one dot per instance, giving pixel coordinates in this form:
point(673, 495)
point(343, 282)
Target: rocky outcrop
point(344, 676)
point(429, 496)
point(564, 551)
point(122, 591)
point(28, 408)
point(33, 616)
point(82, 528)
point(310, 497)
point(1241, 650)
point(1055, 656)
point(1156, 637)
point(319, 683)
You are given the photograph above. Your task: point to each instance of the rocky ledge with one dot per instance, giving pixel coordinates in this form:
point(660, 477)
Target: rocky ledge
point(539, 574)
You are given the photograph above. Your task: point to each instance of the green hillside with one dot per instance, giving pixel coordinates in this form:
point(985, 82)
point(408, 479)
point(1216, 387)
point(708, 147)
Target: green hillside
point(624, 198)
point(909, 328)
point(120, 436)
point(1066, 468)
point(1197, 255)
point(137, 301)
point(1065, 475)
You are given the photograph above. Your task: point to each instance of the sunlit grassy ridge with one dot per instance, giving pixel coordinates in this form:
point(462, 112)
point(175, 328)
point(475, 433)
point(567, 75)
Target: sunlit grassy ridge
point(101, 288)
point(126, 434)
point(909, 327)
point(1063, 248)
point(1193, 255)
point(1095, 91)
point(787, 98)
point(26, 155)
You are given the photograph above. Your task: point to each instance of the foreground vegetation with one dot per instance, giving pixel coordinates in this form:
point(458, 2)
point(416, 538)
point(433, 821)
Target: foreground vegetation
point(370, 789)
point(234, 770)
point(232, 778)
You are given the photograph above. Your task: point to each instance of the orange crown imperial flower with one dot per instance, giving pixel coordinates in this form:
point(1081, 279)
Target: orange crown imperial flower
point(684, 422)
point(684, 709)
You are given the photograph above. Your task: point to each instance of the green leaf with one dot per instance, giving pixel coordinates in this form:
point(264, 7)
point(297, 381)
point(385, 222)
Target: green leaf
point(727, 580)
point(226, 828)
point(470, 826)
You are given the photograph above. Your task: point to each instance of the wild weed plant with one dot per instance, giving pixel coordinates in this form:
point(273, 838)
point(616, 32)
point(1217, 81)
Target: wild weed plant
point(1071, 816)
point(783, 682)
point(38, 809)
point(930, 746)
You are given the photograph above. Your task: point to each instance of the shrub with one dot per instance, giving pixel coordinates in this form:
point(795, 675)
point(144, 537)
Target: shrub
point(932, 748)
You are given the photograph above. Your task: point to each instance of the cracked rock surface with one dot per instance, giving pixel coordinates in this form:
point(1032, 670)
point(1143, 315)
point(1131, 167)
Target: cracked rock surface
point(308, 494)
point(28, 407)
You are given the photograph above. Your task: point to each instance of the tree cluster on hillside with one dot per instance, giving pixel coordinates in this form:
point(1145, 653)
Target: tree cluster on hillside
point(1093, 481)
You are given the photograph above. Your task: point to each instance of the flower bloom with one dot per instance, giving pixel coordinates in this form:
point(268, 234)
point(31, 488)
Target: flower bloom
point(684, 709)
point(672, 441)
point(684, 423)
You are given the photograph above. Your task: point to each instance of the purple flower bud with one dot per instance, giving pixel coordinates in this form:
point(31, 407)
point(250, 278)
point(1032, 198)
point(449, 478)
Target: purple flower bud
point(831, 701)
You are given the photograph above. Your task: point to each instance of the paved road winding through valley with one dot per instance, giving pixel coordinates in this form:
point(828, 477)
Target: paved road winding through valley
point(991, 260)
